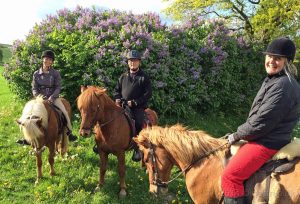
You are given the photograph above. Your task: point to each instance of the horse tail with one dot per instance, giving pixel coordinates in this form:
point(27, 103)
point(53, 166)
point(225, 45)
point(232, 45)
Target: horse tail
point(33, 116)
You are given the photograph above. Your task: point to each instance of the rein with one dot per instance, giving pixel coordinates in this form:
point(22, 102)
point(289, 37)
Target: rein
point(160, 183)
point(107, 122)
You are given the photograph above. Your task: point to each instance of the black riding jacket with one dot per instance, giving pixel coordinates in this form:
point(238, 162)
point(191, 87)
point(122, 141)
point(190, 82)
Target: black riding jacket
point(137, 88)
point(274, 113)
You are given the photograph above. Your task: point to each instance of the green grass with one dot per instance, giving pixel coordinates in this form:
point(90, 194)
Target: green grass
point(77, 175)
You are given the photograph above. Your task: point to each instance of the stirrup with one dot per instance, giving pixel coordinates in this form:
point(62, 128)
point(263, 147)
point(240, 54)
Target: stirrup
point(71, 137)
point(22, 142)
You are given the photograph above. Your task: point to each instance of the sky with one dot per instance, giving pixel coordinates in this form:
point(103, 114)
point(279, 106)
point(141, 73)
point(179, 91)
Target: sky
point(18, 17)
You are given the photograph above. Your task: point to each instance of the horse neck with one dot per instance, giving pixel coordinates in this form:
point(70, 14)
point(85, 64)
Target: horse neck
point(204, 179)
point(108, 110)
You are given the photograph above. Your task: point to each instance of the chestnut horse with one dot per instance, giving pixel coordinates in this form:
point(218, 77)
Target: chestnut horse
point(41, 127)
point(200, 158)
point(113, 132)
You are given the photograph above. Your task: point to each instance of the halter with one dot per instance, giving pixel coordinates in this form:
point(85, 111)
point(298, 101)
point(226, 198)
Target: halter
point(157, 181)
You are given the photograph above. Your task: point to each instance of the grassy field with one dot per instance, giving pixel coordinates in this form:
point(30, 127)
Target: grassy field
point(77, 174)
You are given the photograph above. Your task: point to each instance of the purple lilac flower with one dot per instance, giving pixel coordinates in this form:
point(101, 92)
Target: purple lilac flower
point(126, 44)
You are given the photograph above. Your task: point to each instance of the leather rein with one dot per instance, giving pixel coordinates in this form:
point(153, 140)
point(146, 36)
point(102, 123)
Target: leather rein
point(159, 183)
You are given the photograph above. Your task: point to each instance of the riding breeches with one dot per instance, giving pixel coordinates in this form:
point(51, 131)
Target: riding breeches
point(246, 162)
point(138, 116)
point(61, 106)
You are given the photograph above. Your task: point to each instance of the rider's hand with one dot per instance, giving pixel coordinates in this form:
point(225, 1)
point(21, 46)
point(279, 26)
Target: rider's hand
point(132, 104)
point(118, 102)
point(232, 138)
point(51, 99)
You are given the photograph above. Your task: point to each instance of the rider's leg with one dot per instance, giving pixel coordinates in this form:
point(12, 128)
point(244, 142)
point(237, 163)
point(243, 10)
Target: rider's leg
point(61, 106)
point(138, 115)
point(246, 162)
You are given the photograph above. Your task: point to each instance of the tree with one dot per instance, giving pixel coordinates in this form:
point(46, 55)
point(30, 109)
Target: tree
point(237, 12)
point(259, 19)
point(276, 18)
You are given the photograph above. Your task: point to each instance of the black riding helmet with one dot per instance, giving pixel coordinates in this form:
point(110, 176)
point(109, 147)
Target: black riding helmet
point(48, 53)
point(133, 54)
point(283, 47)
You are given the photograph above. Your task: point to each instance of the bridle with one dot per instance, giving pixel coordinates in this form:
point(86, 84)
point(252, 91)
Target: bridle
point(96, 114)
point(158, 182)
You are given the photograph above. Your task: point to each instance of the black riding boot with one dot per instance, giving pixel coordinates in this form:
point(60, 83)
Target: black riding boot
point(71, 136)
point(137, 154)
point(95, 149)
point(22, 142)
point(239, 200)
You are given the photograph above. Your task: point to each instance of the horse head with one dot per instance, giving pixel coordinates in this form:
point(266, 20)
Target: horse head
point(157, 161)
point(90, 105)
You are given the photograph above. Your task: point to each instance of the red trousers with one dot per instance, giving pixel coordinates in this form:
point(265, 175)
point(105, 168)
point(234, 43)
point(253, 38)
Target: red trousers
point(248, 159)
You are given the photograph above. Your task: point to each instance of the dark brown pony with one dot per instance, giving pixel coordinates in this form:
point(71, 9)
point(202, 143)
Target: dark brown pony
point(40, 126)
point(165, 147)
point(113, 133)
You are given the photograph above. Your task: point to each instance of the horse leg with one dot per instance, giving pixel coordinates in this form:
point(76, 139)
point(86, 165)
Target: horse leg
point(103, 168)
point(39, 166)
point(121, 171)
point(51, 158)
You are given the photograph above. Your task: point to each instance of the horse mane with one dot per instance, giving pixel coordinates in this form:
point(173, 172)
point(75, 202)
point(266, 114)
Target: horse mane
point(33, 110)
point(90, 97)
point(186, 145)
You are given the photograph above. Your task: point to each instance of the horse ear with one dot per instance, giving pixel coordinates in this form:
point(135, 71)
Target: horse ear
point(39, 122)
point(83, 88)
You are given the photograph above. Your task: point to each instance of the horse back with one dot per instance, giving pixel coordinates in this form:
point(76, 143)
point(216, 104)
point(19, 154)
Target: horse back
point(276, 188)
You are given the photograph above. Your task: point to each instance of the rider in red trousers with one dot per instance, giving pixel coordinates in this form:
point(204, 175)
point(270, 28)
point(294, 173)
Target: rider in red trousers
point(274, 113)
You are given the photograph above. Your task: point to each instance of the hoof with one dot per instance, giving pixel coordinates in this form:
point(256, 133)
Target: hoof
point(97, 189)
point(122, 193)
point(36, 182)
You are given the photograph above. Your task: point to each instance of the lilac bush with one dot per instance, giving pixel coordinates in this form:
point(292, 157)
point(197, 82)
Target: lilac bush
point(199, 66)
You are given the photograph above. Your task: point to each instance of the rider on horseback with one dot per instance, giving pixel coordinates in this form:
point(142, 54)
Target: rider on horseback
point(47, 82)
point(273, 115)
point(134, 86)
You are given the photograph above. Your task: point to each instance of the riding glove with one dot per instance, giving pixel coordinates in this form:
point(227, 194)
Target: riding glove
point(233, 138)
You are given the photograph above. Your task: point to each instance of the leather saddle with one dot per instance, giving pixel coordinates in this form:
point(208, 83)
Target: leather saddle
point(263, 178)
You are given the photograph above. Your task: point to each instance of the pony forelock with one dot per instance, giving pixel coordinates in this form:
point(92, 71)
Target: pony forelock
point(33, 111)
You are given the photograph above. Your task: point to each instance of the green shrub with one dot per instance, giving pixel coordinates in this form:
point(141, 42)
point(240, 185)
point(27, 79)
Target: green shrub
point(199, 66)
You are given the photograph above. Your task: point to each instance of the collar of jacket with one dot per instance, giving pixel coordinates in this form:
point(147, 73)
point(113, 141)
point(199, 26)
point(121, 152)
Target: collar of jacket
point(281, 73)
point(41, 70)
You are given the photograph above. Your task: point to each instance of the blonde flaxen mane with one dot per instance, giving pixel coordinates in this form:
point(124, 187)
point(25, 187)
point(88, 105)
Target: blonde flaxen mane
point(33, 111)
point(186, 145)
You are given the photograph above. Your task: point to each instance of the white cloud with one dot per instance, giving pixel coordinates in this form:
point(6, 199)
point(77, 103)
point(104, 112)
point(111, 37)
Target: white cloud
point(17, 17)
